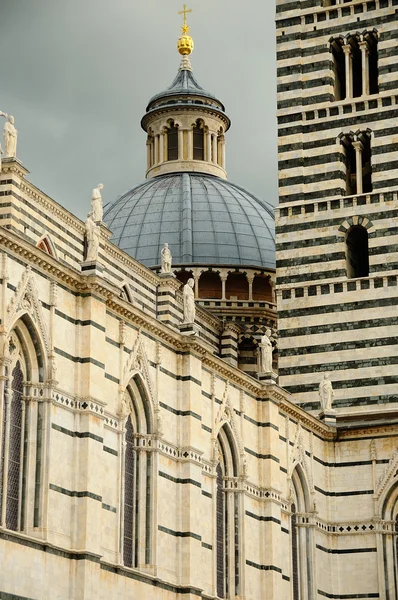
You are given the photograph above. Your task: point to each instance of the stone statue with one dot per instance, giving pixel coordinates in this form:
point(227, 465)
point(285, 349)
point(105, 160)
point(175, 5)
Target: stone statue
point(326, 392)
point(93, 237)
point(124, 409)
point(166, 259)
point(10, 136)
point(189, 301)
point(1, 152)
point(96, 203)
point(266, 350)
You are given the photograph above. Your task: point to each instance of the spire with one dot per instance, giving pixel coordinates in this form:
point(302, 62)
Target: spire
point(185, 43)
point(185, 64)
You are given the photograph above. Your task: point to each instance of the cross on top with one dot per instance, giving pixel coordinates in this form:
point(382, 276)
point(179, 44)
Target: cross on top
point(184, 12)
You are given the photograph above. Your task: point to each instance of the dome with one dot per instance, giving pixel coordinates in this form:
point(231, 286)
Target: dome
point(205, 220)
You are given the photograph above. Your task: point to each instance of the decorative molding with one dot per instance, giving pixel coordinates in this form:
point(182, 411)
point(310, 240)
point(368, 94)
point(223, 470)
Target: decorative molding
point(298, 457)
point(26, 301)
point(390, 473)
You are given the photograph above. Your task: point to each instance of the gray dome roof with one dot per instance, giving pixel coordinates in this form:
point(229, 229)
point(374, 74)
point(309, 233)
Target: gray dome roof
point(206, 220)
point(184, 84)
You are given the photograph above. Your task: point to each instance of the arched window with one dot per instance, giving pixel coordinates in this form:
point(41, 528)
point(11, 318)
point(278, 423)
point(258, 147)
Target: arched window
point(183, 276)
point(137, 479)
point(358, 162)
point(302, 567)
point(389, 515)
point(172, 142)
point(210, 285)
point(339, 68)
point(357, 252)
point(228, 543)
point(16, 442)
point(198, 141)
point(237, 286)
point(15, 416)
point(372, 42)
point(262, 288)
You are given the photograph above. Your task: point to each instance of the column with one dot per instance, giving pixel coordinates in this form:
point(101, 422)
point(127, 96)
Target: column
point(190, 144)
point(156, 157)
point(180, 143)
point(348, 70)
point(365, 68)
point(223, 152)
point(208, 146)
point(148, 154)
point(215, 153)
point(250, 279)
point(358, 156)
point(223, 278)
point(196, 277)
point(161, 147)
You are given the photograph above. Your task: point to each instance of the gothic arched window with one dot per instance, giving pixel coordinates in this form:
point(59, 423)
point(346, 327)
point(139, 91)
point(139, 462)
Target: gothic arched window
point(228, 545)
point(295, 555)
point(13, 444)
point(172, 142)
point(301, 540)
point(357, 252)
point(130, 499)
point(137, 479)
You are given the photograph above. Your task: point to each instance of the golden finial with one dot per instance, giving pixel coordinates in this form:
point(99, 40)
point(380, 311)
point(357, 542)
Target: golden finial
point(185, 42)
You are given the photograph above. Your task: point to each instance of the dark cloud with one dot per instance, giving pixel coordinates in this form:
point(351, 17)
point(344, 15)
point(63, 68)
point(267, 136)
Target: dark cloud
point(77, 76)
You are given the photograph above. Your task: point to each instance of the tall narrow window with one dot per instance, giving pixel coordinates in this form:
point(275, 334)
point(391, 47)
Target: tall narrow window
point(350, 165)
point(137, 480)
point(356, 65)
point(172, 142)
point(16, 430)
point(129, 553)
point(228, 545)
point(339, 68)
point(366, 163)
point(301, 539)
point(220, 550)
point(198, 142)
point(357, 252)
point(373, 64)
point(295, 555)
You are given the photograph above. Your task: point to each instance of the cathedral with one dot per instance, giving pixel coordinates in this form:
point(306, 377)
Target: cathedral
point(199, 392)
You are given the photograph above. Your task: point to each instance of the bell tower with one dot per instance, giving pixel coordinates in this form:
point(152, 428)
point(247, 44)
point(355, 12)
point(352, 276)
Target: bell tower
point(185, 124)
point(336, 223)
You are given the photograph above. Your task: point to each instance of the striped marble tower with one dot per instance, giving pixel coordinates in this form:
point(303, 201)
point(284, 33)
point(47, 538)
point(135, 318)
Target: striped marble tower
point(337, 227)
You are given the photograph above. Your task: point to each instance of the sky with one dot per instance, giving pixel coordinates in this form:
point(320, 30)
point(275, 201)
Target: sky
point(77, 76)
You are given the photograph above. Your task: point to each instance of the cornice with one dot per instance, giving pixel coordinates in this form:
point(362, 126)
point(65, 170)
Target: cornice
point(288, 408)
point(115, 252)
point(185, 108)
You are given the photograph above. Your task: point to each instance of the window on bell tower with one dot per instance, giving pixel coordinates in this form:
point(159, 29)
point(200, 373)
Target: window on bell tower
point(172, 142)
point(198, 141)
point(358, 162)
point(357, 252)
point(355, 65)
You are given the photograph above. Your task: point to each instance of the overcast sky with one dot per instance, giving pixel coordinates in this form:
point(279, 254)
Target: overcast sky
point(77, 76)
